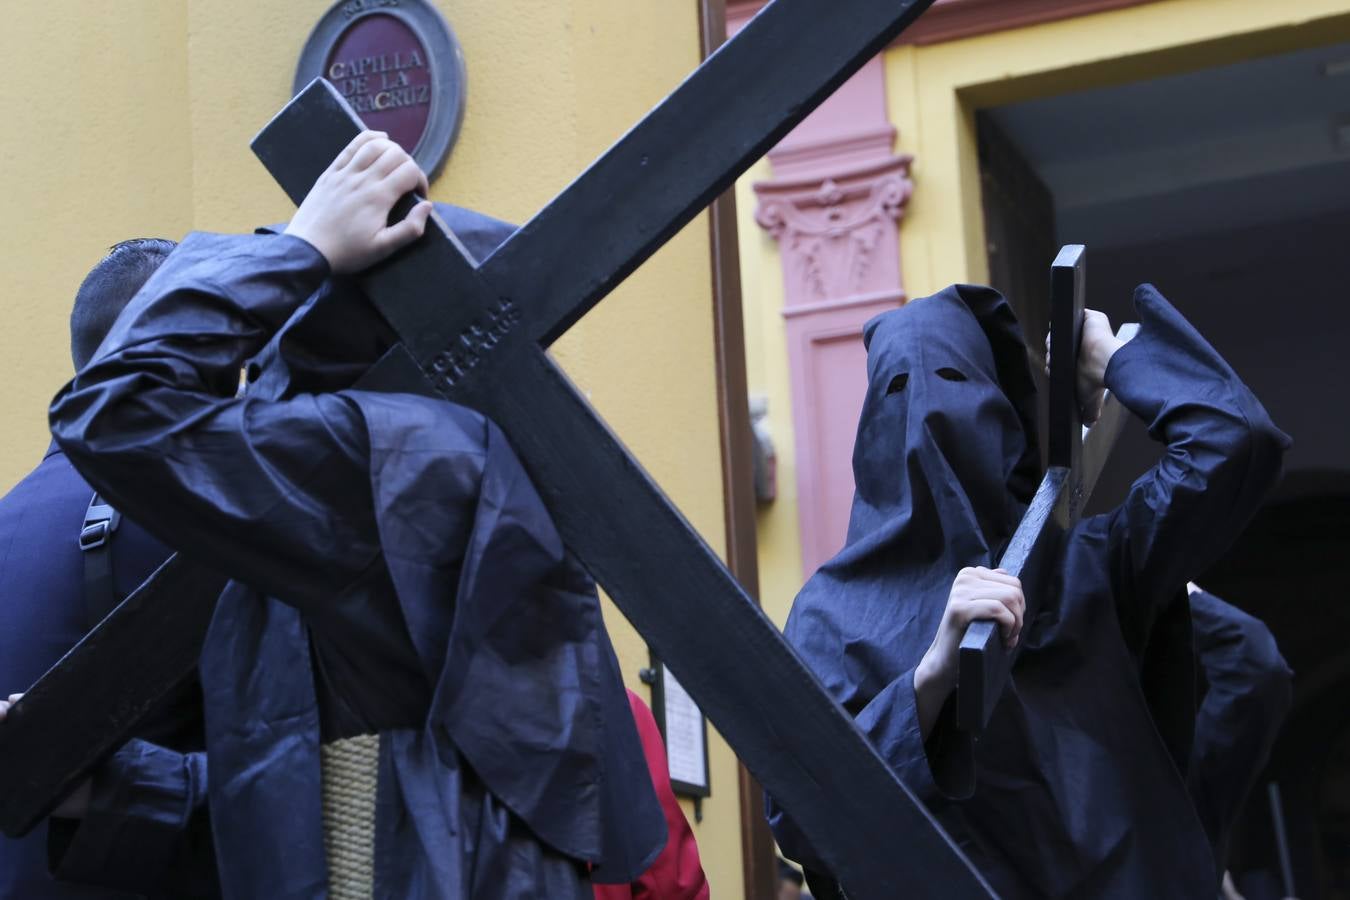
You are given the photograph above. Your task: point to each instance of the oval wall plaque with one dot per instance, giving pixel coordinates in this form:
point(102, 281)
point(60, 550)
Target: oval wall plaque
point(400, 67)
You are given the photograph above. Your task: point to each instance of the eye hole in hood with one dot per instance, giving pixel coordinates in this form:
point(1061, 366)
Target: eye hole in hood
point(971, 427)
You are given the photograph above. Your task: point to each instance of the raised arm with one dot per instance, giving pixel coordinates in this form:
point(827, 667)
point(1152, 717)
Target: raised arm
point(255, 485)
point(1223, 454)
point(153, 422)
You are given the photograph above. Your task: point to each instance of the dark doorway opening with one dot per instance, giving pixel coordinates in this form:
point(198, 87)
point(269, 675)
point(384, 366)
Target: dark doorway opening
point(1229, 189)
point(1291, 569)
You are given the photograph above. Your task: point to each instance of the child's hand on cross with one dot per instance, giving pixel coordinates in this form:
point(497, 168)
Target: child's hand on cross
point(345, 216)
point(977, 593)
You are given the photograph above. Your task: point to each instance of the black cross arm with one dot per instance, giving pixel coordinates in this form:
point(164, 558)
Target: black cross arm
point(1068, 286)
point(88, 704)
point(689, 149)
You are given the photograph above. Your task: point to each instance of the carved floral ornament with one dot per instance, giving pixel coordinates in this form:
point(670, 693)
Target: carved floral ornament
point(829, 229)
point(832, 209)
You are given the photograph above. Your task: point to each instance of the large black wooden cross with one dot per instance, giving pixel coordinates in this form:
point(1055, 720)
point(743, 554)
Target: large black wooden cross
point(479, 333)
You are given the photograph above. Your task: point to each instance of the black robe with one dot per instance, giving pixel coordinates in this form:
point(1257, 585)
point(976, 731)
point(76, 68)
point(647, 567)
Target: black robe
point(420, 588)
point(1080, 791)
point(144, 831)
point(1247, 690)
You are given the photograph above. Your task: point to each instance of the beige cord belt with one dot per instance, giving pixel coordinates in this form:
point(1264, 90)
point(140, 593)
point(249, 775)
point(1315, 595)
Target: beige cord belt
point(350, 775)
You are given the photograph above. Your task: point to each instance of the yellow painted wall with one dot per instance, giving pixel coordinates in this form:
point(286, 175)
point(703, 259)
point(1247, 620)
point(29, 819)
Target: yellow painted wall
point(134, 118)
point(766, 369)
point(932, 93)
point(94, 149)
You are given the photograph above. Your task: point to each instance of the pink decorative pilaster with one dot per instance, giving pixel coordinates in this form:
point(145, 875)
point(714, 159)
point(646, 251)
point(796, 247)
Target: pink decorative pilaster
point(838, 234)
point(834, 206)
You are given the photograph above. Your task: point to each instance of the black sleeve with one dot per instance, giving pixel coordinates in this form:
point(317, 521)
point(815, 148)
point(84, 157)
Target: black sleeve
point(1223, 454)
point(146, 830)
point(274, 493)
point(1249, 690)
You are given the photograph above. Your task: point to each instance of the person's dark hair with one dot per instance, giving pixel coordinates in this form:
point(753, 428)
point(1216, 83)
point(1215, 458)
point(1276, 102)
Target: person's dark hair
point(108, 288)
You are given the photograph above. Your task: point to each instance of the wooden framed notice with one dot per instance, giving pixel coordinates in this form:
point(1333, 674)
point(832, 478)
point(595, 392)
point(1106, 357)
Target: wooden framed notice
point(685, 732)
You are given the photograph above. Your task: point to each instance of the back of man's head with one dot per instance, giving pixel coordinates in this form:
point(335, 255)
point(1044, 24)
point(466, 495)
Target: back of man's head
point(108, 288)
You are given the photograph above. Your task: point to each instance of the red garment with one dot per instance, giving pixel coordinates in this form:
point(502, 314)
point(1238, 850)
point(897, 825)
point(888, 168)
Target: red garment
point(677, 873)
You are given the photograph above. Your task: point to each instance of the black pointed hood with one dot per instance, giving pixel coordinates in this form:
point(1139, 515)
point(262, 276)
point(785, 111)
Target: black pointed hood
point(944, 464)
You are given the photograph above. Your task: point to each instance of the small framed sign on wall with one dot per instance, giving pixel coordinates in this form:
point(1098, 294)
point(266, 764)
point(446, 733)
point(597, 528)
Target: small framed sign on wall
point(684, 730)
point(399, 65)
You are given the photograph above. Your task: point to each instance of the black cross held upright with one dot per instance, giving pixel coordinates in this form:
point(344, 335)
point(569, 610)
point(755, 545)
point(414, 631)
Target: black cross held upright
point(1075, 457)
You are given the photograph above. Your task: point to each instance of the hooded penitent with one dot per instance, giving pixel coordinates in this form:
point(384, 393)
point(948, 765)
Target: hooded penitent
point(1074, 789)
point(944, 463)
point(427, 595)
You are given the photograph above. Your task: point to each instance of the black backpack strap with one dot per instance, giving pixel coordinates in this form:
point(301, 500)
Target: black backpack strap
point(100, 594)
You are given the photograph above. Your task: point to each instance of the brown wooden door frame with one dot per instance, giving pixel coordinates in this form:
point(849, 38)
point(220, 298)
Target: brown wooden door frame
point(759, 856)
